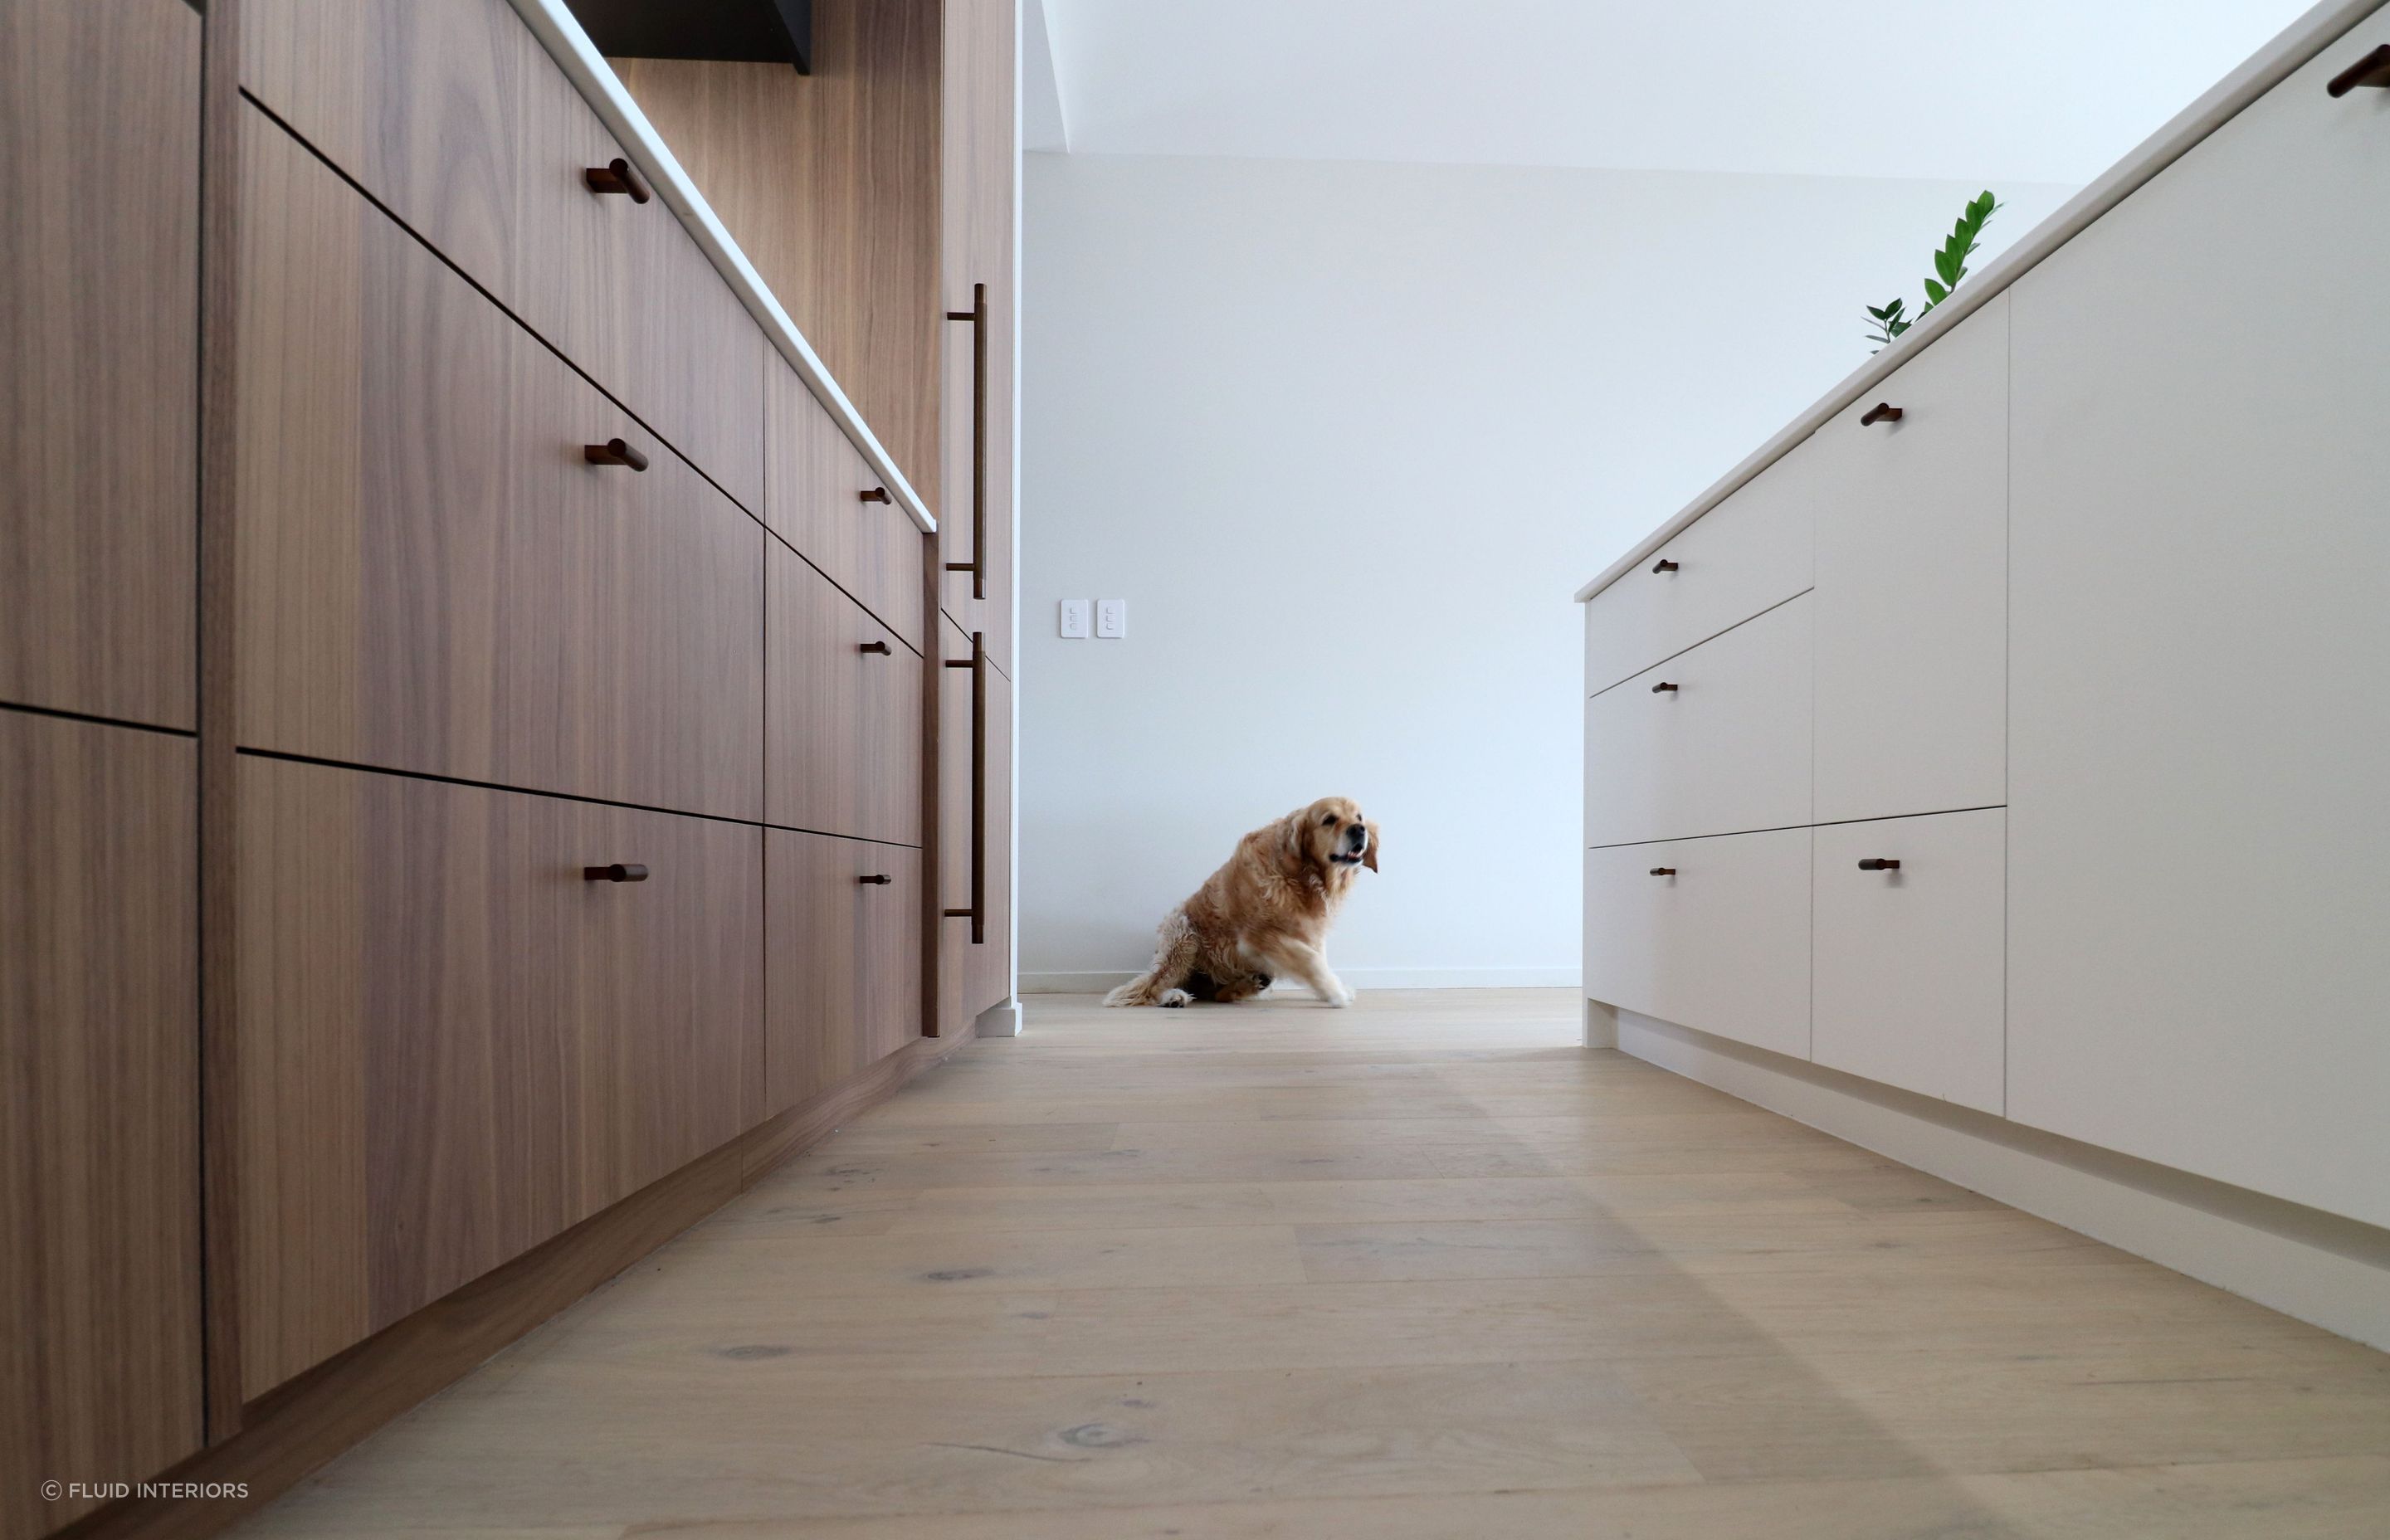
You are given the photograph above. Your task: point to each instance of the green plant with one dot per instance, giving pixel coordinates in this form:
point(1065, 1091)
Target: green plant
point(1950, 267)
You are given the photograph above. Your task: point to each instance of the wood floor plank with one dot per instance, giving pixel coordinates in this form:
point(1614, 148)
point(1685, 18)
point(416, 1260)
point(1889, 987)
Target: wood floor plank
point(1424, 1268)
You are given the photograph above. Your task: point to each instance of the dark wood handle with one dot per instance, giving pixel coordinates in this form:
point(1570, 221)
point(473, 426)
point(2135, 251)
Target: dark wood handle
point(614, 451)
point(1879, 864)
point(1663, 565)
point(977, 913)
point(621, 871)
point(880, 647)
point(1664, 871)
point(1882, 411)
point(977, 565)
point(1664, 687)
point(616, 176)
point(875, 494)
point(2373, 69)
point(877, 880)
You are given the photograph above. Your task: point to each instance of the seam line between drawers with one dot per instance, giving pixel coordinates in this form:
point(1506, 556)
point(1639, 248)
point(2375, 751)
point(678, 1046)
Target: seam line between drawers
point(1713, 636)
point(500, 305)
point(288, 757)
point(62, 714)
point(1779, 829)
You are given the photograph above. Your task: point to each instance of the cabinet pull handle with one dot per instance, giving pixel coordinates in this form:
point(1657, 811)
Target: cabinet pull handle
point(2373, 69)
point(977, 913)
point(1882, 411)
point(875, 494)
point(614, 451)
point(1664, 687)
point(880, 647)
point(616, 176)
point(1664, 871)
point(977, 565)
point(1663, 565)
point(877, 880)
point(621, 871)
point(1879, 864)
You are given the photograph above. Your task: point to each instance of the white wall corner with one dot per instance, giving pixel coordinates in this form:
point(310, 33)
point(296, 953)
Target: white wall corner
point(1044, 124)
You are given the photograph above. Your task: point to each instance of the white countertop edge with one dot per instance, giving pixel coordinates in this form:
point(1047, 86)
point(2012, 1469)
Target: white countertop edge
point(560, 34)
point(2296, 46)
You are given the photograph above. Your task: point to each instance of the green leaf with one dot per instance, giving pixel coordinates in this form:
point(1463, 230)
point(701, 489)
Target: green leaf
point(1935, 293)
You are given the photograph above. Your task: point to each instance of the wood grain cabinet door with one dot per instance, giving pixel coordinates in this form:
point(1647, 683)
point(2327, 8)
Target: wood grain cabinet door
point(99, 157)
point(973, 974)
point(434, 575)
point(454, 1041)
point(977, 407)
point(100, 1276)
point(824, 500)
point(845, 960)
point(1910, 609)
point(2200, 645)
point(844, 712)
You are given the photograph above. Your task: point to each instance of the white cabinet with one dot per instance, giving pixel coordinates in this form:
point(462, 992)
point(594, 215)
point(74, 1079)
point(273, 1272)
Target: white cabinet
point(1661, 920)
point(1907, 953)
point(2200, 746)
point(1911, 603)
point(1749, 553)
point(1713, 741)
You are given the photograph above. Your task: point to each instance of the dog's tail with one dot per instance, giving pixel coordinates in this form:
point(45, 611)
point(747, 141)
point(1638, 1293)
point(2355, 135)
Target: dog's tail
point(1174, 959)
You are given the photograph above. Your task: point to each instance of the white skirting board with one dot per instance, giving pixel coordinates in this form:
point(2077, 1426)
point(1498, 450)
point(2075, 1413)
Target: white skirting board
point(1359, 978)
point(1000, 1020)
point(2318, 1267)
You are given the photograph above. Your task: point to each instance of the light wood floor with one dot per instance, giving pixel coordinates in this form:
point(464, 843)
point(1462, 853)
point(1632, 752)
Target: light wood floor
point(1423, 1268)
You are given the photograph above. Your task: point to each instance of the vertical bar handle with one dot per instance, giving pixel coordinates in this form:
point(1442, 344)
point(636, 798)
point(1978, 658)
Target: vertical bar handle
point(977, 565)
point(977, 913)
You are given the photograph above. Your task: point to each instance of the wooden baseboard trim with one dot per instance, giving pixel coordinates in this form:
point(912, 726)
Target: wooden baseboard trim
point(296, 1428)
point(2322, 1268)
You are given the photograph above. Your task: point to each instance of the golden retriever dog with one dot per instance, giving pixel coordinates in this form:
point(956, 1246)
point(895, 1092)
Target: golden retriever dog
point(1264, 915)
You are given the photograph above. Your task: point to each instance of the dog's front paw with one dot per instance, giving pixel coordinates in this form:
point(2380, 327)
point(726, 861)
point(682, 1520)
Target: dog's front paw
point(1174, 997)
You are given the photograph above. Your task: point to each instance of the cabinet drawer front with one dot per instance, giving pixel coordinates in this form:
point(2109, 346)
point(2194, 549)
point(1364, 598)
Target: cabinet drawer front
point(454, 1044)
point(433, 577)
point(1909, 987)
point(1747, 555)
point(450, 115)
point(844, 712)
point(1716, 940)
point(1726, 750)
point(2201, 626)
point(845, 960)
point(1911, 599)
point(817, 502)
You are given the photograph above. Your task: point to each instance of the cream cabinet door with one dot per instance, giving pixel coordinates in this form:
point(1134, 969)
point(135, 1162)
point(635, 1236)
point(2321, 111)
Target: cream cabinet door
point(2199, 891)
point(1908, 958)
point(1913, 585)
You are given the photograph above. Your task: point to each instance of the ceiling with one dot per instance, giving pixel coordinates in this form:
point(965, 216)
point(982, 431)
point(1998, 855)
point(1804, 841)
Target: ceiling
point(2049, 91)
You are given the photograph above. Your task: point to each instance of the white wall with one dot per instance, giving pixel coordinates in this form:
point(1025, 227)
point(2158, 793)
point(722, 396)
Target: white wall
point(1346, 436)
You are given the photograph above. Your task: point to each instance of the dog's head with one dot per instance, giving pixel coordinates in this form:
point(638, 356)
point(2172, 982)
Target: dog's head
point(1332, 834)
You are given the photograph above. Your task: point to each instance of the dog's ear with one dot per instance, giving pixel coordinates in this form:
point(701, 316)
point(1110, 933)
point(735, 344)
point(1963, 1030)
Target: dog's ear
point(1369, 854)
point(1292, 847)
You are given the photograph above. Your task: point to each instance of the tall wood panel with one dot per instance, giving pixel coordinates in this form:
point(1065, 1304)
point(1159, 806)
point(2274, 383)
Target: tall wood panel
point(99, 1272)
point(99, 157)
point(973, 975)
point(457, 1044)
point(829, 182)
point(977, 268)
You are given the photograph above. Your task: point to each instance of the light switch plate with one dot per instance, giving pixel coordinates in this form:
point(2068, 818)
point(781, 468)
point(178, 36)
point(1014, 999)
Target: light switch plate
point(1111, 617)
point(1074, 618)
